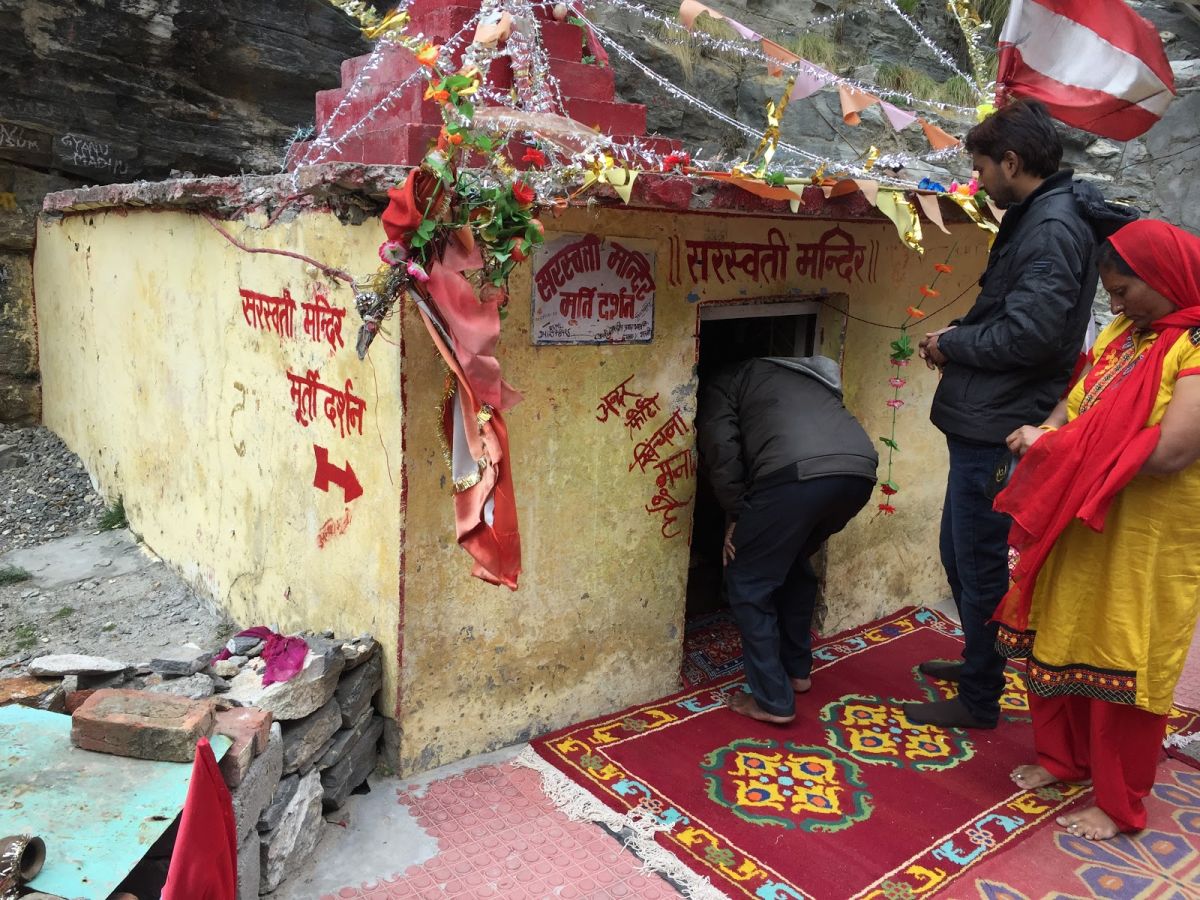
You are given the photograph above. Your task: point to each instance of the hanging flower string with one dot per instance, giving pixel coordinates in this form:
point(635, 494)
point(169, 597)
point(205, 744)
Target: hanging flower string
point(900, 356)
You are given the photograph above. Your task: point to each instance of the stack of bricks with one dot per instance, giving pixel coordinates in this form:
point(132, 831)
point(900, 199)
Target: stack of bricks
point(402, 133)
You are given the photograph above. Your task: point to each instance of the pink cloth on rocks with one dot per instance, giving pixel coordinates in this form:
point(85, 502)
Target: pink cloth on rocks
point(284, 656)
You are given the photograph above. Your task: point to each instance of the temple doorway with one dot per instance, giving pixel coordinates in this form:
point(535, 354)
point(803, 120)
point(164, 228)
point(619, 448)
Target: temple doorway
point(730, 333)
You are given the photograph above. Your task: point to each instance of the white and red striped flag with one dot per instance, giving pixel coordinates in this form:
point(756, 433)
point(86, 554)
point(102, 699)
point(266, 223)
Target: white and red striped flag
point(1096, 64)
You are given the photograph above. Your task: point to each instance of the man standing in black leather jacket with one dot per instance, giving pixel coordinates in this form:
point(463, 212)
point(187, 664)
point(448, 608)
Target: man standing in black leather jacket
point(790, 467)
point(1004, 364)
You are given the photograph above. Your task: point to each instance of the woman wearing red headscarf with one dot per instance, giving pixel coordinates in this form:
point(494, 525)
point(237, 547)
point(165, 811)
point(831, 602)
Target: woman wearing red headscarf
point(1106, 516)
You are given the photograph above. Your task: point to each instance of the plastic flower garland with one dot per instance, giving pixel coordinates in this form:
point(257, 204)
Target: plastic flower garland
point(442, 210)
point(900, 356)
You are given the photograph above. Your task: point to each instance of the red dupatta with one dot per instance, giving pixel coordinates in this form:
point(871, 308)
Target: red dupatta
point(1077, 471)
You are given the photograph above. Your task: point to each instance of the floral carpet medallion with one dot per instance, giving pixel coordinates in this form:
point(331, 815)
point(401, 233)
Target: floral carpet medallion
point(765, 782)
point(851, 800)
point(876, 732)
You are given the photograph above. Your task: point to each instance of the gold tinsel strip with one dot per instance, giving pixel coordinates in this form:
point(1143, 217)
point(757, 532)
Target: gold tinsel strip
point(374, 26)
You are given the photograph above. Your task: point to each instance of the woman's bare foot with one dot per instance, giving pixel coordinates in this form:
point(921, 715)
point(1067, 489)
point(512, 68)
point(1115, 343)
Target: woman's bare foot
point(1092, 823)
point(801, 685)
point(745, 705)
point(1030, 777)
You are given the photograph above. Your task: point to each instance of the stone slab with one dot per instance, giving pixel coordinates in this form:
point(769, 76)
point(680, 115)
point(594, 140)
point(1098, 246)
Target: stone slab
point(358, 762)
point(314, 763)
point(272, 815)
point(259, 785)
point(304, 739)
point(354, 691)
point(249, 869)
point(289, 844)
point(306, 692)
point(358, 651)
point(345, 740)
point(35, 693)
point(141, 725)
point(194, 687)
point(179, 661)
point(58, 665)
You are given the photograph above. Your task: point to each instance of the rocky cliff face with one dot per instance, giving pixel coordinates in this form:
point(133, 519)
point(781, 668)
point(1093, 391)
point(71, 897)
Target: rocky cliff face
point(1156, 172)
point(116, 90)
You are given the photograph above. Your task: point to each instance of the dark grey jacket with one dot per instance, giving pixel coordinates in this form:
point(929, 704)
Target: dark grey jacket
point(778, 419)
point(1011, 355)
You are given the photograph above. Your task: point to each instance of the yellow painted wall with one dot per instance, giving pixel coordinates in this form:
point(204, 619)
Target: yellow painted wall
point(596, 622)
point(152, 375)
point(143, 345)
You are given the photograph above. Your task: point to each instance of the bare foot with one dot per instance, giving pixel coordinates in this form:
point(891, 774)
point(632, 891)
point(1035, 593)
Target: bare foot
point(801, 685)
point(1092, 823)
point(1030, 777)
point(745, 705)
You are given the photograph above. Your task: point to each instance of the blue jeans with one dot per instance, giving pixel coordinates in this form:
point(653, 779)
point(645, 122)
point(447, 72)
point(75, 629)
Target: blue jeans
point(974, 548)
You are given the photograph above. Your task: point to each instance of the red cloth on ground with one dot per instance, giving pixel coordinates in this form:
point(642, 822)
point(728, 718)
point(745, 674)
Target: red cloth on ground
point(1075, 472)
point(1117, 746)
point(204, 862)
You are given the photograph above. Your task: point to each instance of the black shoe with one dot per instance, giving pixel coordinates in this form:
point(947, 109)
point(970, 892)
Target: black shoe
point(944, 714)
point(941, 669)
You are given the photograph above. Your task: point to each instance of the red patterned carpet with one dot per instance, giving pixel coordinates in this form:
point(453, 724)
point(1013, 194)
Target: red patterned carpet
point(712, 649)
point(851, 800)
point(1161, 862)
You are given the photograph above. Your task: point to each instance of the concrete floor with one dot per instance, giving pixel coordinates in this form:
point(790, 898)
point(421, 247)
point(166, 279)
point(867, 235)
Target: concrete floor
point(381, 837)
point(475, 829)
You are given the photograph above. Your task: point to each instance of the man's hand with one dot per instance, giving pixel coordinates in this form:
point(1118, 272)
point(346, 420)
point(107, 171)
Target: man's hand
point(928, 348)
point(1022, 439)
point(727, 552)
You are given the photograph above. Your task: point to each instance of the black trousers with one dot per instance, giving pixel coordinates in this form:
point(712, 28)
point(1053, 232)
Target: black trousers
point(771, 584)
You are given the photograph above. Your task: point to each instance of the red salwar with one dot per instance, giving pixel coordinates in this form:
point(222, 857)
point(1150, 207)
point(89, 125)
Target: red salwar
point(1116, 745)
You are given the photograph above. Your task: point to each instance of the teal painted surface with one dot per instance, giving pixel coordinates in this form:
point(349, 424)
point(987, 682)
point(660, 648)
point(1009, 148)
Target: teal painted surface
point(98, 814)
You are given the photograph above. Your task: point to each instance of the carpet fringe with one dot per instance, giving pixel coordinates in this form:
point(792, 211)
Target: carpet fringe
point(1178, 740)
point(638, 827)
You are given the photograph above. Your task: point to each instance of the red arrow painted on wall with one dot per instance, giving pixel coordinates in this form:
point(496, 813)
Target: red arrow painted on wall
point(328, 473)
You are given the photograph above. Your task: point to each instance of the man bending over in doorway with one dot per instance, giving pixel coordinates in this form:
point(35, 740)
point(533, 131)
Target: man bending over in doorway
point(790, 467)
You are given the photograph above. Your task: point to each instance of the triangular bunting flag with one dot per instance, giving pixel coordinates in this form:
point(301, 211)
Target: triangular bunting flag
point(898, 118)
point(937, 138)
point(929, 205)
point(854, 102)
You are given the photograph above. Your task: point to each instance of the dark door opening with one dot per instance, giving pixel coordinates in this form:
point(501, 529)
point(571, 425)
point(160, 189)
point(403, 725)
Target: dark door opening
point(730, 334)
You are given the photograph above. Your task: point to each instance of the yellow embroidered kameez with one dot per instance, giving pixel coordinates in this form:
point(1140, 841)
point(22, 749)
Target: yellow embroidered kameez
point(1113, 613)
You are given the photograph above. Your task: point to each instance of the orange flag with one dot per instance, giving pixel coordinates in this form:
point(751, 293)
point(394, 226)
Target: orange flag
point(937, 138)
point(854, 102)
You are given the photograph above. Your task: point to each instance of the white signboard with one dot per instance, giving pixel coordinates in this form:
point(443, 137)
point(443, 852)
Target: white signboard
point(587, 290)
